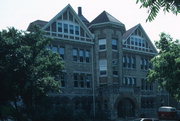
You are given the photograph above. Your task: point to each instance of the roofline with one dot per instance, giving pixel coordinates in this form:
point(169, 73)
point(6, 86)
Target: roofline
point(99, 24)
point(148, 38)
point(62, 11)
point(127, 49)
point(132, 31)
point(139, 25)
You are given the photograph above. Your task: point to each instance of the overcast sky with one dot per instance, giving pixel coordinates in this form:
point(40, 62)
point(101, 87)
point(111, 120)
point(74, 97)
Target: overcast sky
point(19, 13)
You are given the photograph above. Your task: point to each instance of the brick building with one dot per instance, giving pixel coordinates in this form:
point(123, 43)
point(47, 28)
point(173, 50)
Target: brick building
point(105, 64)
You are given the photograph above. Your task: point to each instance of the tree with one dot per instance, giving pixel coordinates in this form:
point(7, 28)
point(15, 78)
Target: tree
point(166, 65)
point(27, 70)
point(154, 7)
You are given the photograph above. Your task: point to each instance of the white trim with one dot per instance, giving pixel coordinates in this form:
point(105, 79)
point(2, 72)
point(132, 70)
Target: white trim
point(139, 51)
point(145, 35)
point(68, 39)
point(75, 16)
point(98, 24)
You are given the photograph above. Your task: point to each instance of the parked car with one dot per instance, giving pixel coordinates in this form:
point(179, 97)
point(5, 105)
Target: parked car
point(146, 119)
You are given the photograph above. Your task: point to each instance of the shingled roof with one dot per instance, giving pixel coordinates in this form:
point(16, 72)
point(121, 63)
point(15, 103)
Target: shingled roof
point(105, 17)
point(86, 22)
point(39, 23)
point(129, 32)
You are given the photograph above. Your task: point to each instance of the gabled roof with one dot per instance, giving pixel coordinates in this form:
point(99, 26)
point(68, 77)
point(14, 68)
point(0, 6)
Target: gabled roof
point(129, 32)
point(74, 14)
point(105, 17)
point(86, 22)
point(39, 23)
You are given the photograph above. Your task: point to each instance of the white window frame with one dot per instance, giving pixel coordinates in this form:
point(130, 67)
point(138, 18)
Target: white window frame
point(102, 42)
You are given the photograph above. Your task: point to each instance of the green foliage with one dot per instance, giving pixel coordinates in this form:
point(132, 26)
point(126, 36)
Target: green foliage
point(154, 7)
point(27, 68)
point(166, 65)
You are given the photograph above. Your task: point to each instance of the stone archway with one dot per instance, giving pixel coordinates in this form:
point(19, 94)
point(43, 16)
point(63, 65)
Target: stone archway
point(126, 108)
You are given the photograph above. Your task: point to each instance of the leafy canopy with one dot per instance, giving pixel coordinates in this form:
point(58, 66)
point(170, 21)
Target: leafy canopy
point(27, 68)
point(154, 7)
point(166, 65)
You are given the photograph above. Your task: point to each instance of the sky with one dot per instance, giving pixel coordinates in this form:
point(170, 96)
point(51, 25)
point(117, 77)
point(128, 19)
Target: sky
point(19, 13)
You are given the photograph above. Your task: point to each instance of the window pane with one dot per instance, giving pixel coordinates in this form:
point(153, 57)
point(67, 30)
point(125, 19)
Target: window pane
point(75, 52)
point(59, 27)
point(54, 49)
point(65, 28)
point(103, 64)
point(61, 50)
point(65, 16)
point(70, 16)
point(87, 54)
point(77, 30)
point(102, 42)
point(81, 53)
point(71, 29)
point(114, 42)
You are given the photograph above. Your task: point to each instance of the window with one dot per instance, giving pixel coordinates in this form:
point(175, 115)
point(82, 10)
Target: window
point(140, 42)
point(115, 72)
point(134, 81)
point(132, 40)
point(70, 16)
point(81, 55)
point(76, 30)
point(62, 78)
point(142, 63)
point(102, 44)
point(129, 61)
point(65, 16)
point(54, 49)
point(145, 64)
point(82, 80)
point(82, 31)
point(65, 28)
point(48, 48)
point(75, 54)
point(61, 52)
point(146, 85)
point(142, 84)
point(59, 27)
point(87, 55)
point(124, 81)
point(136, 42)
point(129, 81)
point(124, 61)
point(133, 62)
point(103, 67)
point(114, 44)
point(75, 80)
point(71, 29)
point(147, 102)
point(53, 27)
point(88, 79)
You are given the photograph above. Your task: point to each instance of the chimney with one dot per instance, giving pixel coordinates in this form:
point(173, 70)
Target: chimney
point(79, 11)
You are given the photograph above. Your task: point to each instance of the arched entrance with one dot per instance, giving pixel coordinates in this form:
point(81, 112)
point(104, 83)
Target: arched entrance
point(126, 108)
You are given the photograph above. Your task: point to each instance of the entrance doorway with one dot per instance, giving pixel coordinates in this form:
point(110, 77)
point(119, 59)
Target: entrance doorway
point(126, 108)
